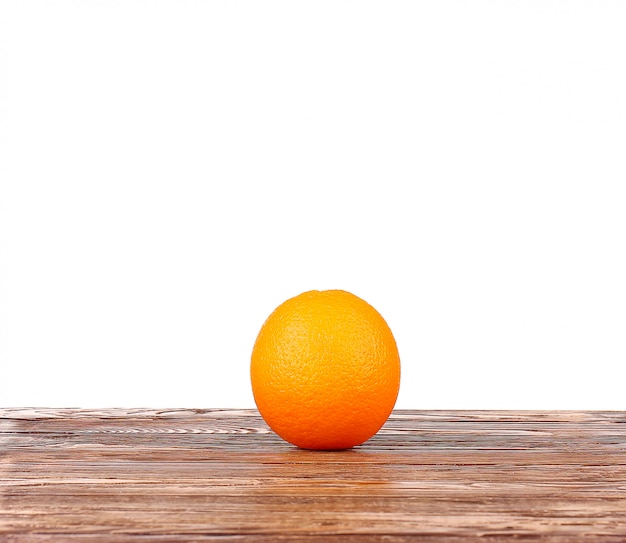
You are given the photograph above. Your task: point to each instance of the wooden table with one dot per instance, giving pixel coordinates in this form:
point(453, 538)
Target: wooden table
point(156, 476)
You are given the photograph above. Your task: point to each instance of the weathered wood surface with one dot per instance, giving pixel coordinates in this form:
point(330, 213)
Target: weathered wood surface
point(148, 476)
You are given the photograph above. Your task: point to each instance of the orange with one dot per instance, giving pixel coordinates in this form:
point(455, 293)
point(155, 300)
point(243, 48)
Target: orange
point(325, 370)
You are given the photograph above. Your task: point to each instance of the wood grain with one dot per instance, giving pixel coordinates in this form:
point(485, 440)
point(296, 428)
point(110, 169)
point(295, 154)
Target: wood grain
point(148, 476)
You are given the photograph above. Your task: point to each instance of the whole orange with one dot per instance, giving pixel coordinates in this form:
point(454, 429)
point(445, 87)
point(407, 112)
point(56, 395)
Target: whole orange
point(325, 370)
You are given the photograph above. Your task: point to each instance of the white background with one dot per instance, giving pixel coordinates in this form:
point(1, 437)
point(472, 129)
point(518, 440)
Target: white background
point(173, 170)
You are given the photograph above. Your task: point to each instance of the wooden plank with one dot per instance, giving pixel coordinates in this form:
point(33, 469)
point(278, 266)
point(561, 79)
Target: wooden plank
point(174, 475)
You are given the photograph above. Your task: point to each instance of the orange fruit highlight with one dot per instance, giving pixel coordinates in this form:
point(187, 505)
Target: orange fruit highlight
point(325, 370)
